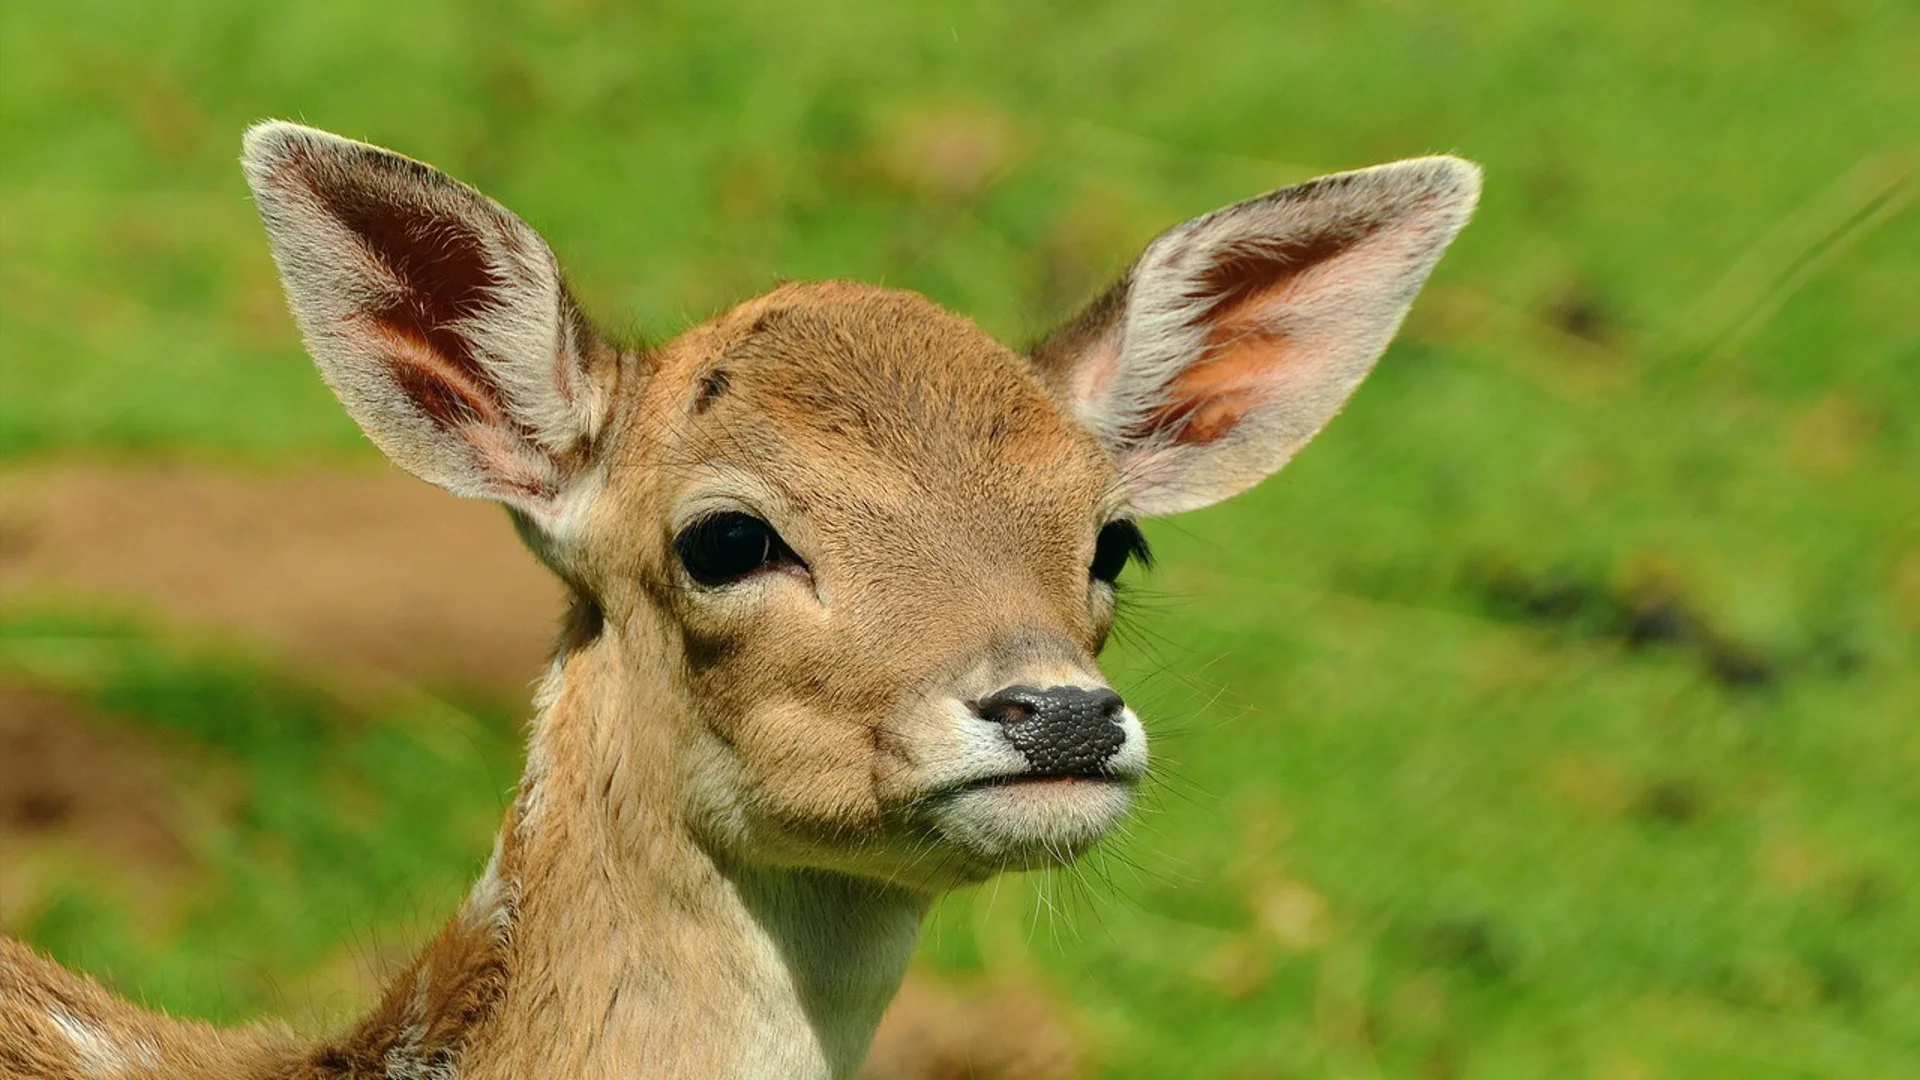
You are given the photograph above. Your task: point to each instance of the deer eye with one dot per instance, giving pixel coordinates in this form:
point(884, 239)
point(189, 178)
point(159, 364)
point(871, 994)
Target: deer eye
point(723, 548)
point(1119, 543)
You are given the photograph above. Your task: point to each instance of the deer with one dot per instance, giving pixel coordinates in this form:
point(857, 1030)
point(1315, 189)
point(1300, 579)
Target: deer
point(838, 565)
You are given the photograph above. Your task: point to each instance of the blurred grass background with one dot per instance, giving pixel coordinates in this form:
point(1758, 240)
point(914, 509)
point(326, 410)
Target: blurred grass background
point(1554, 715)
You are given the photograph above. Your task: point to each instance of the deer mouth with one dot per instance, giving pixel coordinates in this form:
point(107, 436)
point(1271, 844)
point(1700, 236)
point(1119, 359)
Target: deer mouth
point(1030, 820)
point(1057, 781)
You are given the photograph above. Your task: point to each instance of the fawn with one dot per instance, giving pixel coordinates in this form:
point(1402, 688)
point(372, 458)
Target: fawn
point(839, 564)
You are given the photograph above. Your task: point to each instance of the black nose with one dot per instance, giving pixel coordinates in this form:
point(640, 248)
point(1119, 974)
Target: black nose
point(1062, 731)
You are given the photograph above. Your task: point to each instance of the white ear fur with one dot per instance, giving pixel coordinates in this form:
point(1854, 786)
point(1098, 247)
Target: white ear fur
point(439, 319)
point(1239, 334)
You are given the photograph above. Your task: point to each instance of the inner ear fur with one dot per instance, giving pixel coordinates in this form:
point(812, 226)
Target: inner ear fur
point(1237, 335)
point(438, 318)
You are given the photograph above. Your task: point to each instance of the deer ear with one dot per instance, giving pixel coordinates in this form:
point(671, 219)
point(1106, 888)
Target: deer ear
point(1238, 335)
point(438, 319)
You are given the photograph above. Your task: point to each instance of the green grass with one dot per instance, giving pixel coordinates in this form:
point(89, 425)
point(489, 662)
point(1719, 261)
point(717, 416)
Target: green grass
point(1553, 714)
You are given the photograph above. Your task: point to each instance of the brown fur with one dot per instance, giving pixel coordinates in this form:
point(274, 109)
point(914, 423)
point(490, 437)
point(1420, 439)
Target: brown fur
point(36, 995)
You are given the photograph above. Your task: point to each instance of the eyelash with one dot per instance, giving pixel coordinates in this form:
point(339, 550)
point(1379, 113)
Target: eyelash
point(1119, 543)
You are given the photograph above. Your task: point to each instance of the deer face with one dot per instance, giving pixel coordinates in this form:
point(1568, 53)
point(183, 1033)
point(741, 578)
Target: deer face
point(869, 553)
point(862, 520)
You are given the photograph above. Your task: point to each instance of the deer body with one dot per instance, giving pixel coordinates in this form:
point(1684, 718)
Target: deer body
point(840, 567)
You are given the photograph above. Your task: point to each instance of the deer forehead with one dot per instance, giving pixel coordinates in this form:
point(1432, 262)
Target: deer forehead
point(854, 401)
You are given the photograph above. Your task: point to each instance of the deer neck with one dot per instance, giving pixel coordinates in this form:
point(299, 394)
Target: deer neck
point(606, 940)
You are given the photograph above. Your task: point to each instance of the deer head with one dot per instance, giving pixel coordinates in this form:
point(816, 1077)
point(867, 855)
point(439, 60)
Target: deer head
point(851, 559)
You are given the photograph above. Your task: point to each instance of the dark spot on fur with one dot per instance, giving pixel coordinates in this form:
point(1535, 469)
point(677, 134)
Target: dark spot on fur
point(583, 623)
point(768, 320)
point(714, 384)
point(706, 651)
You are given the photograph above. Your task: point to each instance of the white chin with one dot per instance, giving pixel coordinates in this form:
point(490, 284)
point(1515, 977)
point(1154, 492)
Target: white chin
point(1027, 824)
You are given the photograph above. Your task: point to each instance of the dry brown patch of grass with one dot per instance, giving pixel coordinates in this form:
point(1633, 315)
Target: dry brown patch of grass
point(334, 568)
point(76, 790)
